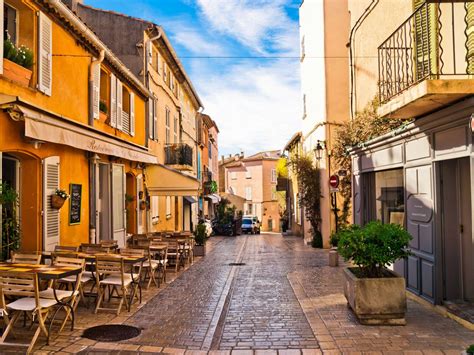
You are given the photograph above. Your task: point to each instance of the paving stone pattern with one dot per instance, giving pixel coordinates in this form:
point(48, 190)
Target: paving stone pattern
point(286, 297)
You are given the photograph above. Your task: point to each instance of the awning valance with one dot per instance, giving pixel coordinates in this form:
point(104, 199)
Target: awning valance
point(215, 198)
point(190, 199)
point(48, 128)
point(164, 181)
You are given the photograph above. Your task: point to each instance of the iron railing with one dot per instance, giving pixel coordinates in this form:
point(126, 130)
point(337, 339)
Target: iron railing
point(431, 44)
point(179, 154)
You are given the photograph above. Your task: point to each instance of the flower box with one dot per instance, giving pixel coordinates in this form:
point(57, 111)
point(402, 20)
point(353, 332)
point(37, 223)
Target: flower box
point(16, 72)
point(57, 201)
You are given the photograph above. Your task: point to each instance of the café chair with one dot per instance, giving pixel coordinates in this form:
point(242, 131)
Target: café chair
point(26, 258)
point(24, 286)
point(115, 279)
point(72, 296)
point(159, 253)
point(65, 248)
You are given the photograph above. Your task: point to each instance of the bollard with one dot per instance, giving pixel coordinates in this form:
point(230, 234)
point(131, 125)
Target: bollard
point(333, 258)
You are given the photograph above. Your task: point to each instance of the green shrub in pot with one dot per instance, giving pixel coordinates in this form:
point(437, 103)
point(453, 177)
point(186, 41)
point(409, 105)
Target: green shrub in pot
point(200, 234)
point(373, 247)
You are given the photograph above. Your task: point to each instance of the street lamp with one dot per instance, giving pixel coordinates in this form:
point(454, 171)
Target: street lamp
point(318, 150)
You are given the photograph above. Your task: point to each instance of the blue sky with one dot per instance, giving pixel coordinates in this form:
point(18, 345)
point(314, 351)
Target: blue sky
point(255, 101)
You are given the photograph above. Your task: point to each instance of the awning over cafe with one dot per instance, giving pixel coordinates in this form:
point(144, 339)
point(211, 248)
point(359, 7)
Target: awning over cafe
point(164, 181)
point(190, 199)
point(215, 198)
point(47, 127)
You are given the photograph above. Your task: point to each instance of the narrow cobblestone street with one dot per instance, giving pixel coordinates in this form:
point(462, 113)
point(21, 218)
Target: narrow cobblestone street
point(283, 296)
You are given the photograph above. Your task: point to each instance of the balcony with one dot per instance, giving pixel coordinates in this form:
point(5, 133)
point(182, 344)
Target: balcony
point(179, 156)
point(428, 62)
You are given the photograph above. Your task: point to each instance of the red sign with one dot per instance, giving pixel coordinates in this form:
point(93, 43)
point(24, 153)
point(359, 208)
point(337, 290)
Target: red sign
point(334, 181)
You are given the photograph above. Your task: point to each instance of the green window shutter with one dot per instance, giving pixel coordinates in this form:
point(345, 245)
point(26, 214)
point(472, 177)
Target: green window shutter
point(470, 36)
point(425, 39)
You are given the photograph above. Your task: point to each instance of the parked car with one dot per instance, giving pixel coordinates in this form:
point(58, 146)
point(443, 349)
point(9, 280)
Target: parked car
point(256, 223)
point(250, 225)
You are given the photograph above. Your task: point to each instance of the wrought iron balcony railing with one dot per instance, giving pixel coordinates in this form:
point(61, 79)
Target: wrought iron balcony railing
point(179, 154)
point(435, 42)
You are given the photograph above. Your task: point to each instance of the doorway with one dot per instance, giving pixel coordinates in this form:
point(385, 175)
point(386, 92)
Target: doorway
point(456, 231)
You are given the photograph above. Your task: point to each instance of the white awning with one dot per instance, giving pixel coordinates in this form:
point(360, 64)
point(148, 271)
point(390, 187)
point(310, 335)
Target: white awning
point(48, 128)
point(215, 198)
point(164, 181)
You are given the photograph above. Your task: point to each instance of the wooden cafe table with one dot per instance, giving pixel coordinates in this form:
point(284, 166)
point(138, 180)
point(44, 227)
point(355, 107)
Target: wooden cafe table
point(47, 272)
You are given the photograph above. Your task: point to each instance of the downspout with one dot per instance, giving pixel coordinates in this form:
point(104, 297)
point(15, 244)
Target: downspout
point(91, 85)
point(354, 29)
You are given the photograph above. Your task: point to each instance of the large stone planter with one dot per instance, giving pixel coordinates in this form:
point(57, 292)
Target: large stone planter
point(376, 301)
point(199, 250)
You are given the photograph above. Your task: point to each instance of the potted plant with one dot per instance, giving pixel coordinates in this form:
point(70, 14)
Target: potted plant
point(103, 110)
point(200, 237)
point(333, 254)
point(10, 224)
point(17, 62)
point(58, 198)
point(375, 293)
point(469, 350)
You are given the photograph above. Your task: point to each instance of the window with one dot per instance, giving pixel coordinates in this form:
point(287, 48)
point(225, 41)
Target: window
point(10, 23)
point(176, 125)
point(168, 207)
point(104, 92)
point(248, 174)
point(165, 72)
point(209, 144)
point(155, 209)
point(248, 193)
point(249, 209)
point(274, 176)
point(167, 125)
point(274, 194)
point(155, 60)
point(233, 175)
point(383, 194)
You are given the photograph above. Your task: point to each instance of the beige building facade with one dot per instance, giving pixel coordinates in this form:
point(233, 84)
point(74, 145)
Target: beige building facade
point(254, 178)
point(416, 58)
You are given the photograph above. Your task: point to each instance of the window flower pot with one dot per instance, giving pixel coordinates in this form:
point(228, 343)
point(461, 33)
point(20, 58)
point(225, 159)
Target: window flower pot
point(16, 72)
point(376, 301)
point(57, 202)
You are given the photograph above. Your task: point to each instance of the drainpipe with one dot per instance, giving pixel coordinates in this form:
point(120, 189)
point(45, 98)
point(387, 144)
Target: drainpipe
point(91, 85)
point(354, 29)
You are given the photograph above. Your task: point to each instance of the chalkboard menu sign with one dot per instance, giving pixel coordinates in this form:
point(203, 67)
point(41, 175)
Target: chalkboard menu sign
point(75, 203)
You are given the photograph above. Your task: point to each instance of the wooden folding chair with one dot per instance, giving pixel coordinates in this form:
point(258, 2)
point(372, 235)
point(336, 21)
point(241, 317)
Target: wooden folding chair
point(174, 252)
point(26, 258)
point(94, 248)
point(25, 286)
point(71, 297)
point(65, 248)
point(159, 253)
point(115, 278)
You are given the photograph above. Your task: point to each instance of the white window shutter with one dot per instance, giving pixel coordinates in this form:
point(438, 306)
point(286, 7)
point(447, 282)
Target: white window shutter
point(132, 114)
point(45, 57)
point(96, 90)
point(119, 104)
point(51, 227)
point(150, 118)
point(113, 100)
point(2, 30)
point(155, 118)
point(168, 206)
point(149, 52)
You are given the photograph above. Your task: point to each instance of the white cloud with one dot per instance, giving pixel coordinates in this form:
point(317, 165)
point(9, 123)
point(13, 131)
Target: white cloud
point(257, 24)
point(195, 41)
point(257, 107)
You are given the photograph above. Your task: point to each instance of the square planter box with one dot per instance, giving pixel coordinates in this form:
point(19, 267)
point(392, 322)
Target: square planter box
point(376, 301)
point(16, 72)
point(199, 250)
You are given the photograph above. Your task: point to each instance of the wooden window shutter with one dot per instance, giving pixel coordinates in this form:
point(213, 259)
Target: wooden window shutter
point(155, 118)
point(96, 90)
point(45, 58)
point(51, 215)
point(113, 100)
point(470, 37)
point(119, 104)
point(132, 114)
point(1, 37)
point(425, 39)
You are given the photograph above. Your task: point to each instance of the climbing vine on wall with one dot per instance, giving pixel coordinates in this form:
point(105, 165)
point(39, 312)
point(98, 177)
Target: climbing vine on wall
point(366, 125)
point(310, 194)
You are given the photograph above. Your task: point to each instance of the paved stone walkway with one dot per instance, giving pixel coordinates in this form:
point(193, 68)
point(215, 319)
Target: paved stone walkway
point(285, 298)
